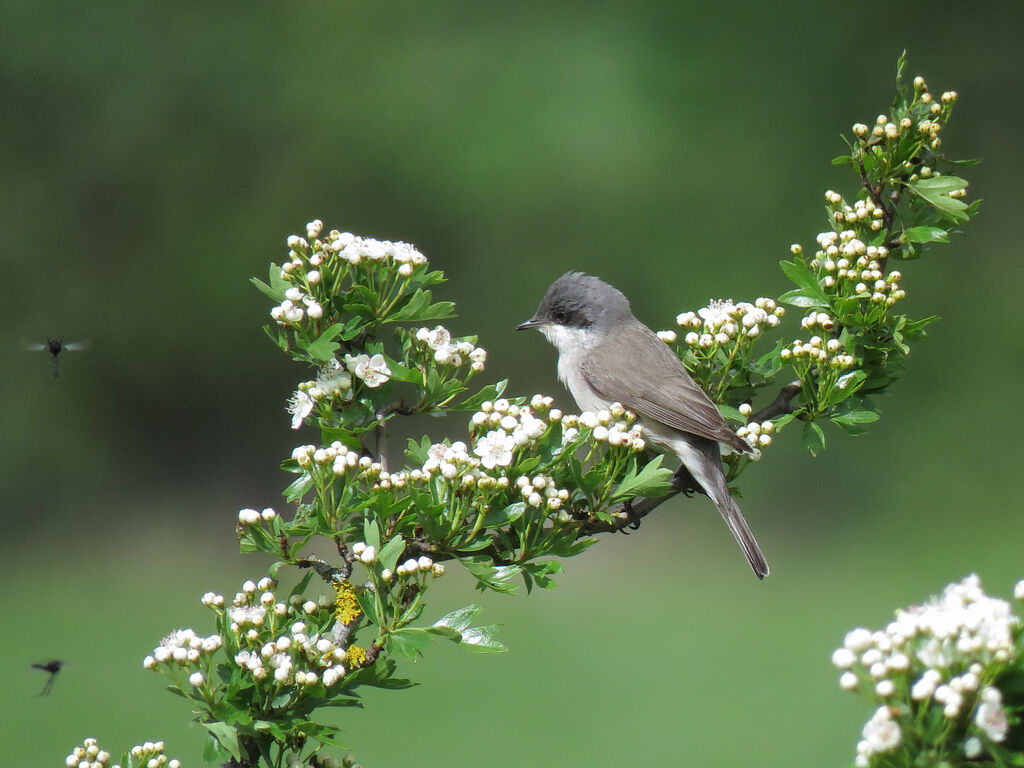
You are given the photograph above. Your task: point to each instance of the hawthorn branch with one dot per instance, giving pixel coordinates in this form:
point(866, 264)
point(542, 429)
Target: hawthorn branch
point(783, 403)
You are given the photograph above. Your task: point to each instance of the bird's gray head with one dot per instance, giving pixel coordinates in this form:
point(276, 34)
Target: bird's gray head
point(579, 302)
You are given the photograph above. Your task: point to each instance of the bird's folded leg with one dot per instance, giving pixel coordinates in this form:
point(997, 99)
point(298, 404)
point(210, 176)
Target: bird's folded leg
point(633, 518)
point(686, 482)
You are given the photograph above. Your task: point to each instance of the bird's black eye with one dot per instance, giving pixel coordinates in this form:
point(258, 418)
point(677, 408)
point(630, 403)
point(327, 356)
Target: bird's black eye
point(560, 316)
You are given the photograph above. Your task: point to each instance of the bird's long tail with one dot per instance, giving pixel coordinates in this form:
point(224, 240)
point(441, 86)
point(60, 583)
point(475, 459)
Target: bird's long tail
point(705, 465)
point(730, 511)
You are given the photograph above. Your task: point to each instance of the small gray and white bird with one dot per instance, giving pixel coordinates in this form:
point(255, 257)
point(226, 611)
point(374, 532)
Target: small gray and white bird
point(606, 355)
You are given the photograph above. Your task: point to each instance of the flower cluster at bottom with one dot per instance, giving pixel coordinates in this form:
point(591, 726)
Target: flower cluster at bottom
point(935, 673)
point(148, 755)
point(294, 643)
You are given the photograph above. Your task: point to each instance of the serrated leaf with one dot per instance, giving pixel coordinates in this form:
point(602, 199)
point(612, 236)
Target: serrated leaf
point(653, 480)
point(459, 619)
point(226, 736)
point(927, 235)
point(800, 298)
point(472, 403)
point(939, 184)
point(856, 417)
point(936, 193)
point(390, 552)
point(489, 576)
point(416, 452)
point(323, 348)
point(409, 643)
point(371, 533)
point(483, 639)
point(499, 516)
point(298, 488)
point(277, 284)
point(368, 605)
point(813, 439)
point(800, 275)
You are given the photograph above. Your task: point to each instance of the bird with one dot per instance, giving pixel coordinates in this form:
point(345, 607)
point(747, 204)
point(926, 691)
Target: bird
point(606, 355)
point(53, 667)
point(55, 347)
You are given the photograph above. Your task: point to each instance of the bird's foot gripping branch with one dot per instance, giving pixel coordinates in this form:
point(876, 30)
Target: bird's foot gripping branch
point(518, 485)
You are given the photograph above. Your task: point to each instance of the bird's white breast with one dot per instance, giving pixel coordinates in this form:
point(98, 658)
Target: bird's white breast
point(573, 345)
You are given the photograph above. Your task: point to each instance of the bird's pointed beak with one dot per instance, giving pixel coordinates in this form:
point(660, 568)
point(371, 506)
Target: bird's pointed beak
point(533, 322)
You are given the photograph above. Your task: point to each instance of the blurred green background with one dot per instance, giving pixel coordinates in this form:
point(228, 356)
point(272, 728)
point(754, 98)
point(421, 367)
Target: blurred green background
point(154, 156)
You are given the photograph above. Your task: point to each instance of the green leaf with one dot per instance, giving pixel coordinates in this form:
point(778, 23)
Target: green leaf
point(489, 576)
point(409, 643)
point(278, 285)
point(324, 347)
point(497, 517)
point(298, 488)
point(418, 309)
point(927, 234)
point(800, 298)
point(483, 639)
point(653, 480)
point(459, 619)
point(813, 439)
point(389, 554)
point(371, 533)
point(935, 191)
point(800, 275)
point(405, 374)
point(541, 572)
point(856, 417)
point(939, 184)
point(368, 605)
point(226, 736)
point(472, 403)
point(416, 452)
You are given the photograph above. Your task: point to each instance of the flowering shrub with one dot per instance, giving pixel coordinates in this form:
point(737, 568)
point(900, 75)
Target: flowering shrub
point(947, 678)
point(523, 484)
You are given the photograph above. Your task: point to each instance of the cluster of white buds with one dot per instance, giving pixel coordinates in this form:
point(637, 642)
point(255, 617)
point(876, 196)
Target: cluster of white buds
point(540, 491)
point(309, 256)
point(296, 306)
point(272, 637)
point(721, 321)
point(252, 517)
point(828, 352)
point(356, 249)
point(923, 106)
point(447, 351)
point(944, 653)
point(373, 370)
point(422, 565)
point(853, 268)
point(89, 755)
point(317, 249)
point(337, 458)
point(614, 425)
point(863, 211)
point(184, 648)
point(758, 435)
point(151, 755)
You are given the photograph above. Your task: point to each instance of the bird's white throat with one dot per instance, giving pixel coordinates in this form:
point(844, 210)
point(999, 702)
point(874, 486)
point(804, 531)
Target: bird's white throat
point(573, 345)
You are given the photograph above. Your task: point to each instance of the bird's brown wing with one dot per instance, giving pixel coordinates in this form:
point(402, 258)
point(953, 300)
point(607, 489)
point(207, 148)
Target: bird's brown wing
point(660, 389)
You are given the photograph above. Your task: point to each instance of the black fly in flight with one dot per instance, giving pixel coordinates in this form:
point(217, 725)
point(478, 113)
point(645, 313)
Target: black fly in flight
point(55, 347)
point(53, 667)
